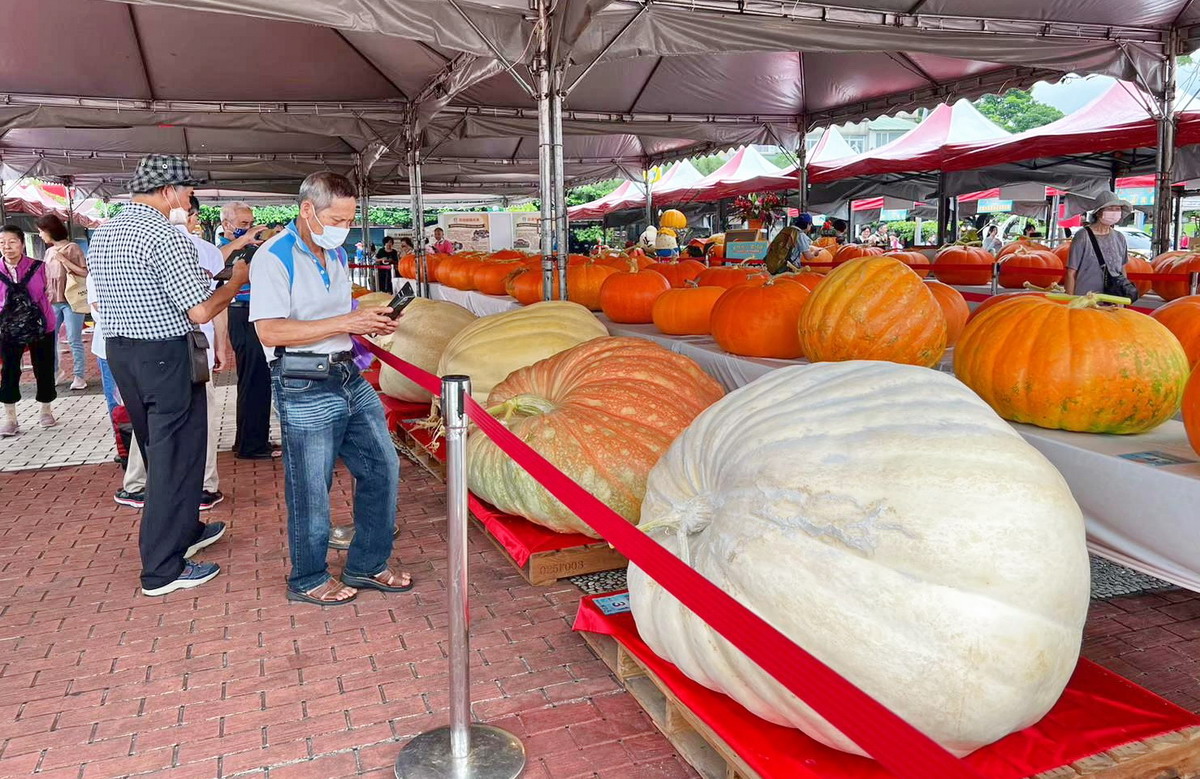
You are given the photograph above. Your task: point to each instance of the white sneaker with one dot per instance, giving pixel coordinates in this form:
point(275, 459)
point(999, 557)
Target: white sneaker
point(8, 428)
point(78, 383)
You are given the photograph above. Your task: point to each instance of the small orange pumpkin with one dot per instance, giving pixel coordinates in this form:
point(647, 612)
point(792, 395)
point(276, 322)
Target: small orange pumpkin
point(852, 251)
point(686, 311)
point(628, 298)
point(730, 276)
point(954, 308)
point(1191, 411)
point(759, 320)
point(1182, 317)
point(1177, 262)
point(679, 273)
point(963, 255)
point(915, 260)
point(1136, 264)
point(584, 281)
point(525, 285)
point(1024, 264)
point(490, 277)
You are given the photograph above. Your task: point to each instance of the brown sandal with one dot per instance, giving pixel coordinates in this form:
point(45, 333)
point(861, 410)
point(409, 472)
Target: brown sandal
point(324, 594)
point(384, 581)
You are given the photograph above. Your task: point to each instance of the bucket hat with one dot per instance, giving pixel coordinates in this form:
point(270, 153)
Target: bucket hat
point(155, 171)
point(1110, 200)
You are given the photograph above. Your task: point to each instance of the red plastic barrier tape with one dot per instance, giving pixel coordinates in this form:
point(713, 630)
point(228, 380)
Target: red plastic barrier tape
point(898, 746)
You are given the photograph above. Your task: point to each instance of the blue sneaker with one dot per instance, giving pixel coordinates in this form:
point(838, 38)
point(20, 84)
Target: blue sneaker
point(211, 535)
point(194, 574)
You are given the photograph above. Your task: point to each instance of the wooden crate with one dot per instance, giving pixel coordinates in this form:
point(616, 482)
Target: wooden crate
point(545, 568)
point(412, 449)
point(1169, 756)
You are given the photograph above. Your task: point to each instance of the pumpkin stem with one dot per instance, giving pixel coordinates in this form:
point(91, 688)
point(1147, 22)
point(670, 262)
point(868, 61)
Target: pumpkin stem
point(1092, 300)
point(521, 405)
point(1054, 287)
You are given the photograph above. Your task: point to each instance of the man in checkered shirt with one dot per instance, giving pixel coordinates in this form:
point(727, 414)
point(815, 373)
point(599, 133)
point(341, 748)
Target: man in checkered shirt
point(152, 294)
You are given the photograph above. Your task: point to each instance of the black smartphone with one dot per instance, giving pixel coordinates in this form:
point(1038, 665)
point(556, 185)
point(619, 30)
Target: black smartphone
point(405, 296)
point(246, 254)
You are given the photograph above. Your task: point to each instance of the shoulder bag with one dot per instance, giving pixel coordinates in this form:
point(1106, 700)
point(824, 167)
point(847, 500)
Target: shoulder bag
point(1117, 284)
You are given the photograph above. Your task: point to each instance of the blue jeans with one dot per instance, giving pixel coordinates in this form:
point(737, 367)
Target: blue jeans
point(321, 421)
point(109, 384)
point(74, 321)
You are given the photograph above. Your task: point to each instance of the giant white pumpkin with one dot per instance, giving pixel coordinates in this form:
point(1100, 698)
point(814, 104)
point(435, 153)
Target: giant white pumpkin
point(890, 523)
point(422, 332)
point(494, 346)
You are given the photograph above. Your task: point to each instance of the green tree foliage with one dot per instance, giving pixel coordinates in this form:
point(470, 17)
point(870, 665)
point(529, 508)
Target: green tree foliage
point(585, 194)
point(1017, 111)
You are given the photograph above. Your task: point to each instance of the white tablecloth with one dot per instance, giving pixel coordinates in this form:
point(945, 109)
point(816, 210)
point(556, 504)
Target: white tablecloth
point(1143, 513)
point(477, 303)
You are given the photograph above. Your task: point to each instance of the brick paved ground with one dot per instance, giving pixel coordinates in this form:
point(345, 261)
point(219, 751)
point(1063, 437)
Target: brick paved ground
point(230, 680)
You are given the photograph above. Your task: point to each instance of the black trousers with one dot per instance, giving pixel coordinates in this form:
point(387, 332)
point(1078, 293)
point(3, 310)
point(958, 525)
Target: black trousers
point(41, 357)
point(253, 385)
point(170, 422)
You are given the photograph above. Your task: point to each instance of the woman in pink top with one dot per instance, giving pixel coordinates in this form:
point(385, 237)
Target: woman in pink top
point(22, 276)
point(66, 273)
point(440, 244)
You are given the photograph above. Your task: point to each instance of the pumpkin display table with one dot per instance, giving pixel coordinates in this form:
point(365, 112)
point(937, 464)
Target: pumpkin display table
point(477, 303)
point(1138, 503)
point(1102, 726)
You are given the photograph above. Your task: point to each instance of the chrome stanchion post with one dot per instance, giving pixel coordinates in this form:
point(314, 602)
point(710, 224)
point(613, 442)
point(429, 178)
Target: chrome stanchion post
point(463, 750)
point(996, 278)
point(1195, 283)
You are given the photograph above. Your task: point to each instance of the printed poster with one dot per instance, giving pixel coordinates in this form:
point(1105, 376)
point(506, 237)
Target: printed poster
point(527, 231)
point(469, 232)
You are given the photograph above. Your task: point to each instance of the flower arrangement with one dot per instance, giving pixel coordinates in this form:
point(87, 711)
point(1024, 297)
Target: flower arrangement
point(765, 207)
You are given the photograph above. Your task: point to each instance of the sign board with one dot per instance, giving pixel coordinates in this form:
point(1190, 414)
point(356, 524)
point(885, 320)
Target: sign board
point(893, 214)
point(1138, 196)
point(527, 231)
point(992, 205)
point(745, 245)
point(469, 232)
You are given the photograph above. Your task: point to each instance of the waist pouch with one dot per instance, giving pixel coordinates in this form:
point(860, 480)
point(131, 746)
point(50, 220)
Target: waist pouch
point(304, 365)
point(198, 349)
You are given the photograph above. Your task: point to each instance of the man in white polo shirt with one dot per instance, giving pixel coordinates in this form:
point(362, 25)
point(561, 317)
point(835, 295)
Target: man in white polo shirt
point(301, 306)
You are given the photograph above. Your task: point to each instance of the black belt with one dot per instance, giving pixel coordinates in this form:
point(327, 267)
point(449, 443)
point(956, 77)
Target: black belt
point(334, 359)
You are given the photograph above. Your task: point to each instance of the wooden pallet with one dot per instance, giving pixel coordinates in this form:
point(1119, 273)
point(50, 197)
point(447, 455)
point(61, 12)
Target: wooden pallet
point(1169, 756)
point(545, 568)
point(412, 449)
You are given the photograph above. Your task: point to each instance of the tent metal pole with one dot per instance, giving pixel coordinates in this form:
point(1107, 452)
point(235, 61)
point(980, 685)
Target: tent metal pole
point(649, 198)
point(416, 207)
point(364, 207)
point(802, 165)
point(1177, 231)
point(70, 209)
point(1165, 158)
point(541, 71)
point(560, 184)
point(1052, 224)
point(943, 211)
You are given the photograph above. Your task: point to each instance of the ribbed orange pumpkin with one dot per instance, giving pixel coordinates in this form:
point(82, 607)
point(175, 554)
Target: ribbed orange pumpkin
point(730, 276)
point(1036, 266)
point(963, 255)
point(603, 412)
point(679, 273)
point(852, 251)
point(954, 308)
point(583, 283)
point(997, 299)
point(1179, 263)
point(407, 266)
point(1182, 317)
point(915, 260)
point(458, 272)
point(873, 308)
point(821, 263)
point(1138, 265)
point(1063, 251)
point(525, 285)
point(805, 278)
point(686, 311)
point(826, 242)
point(628, 298)
point(490, 277)
point(1191, 411)
point(1080, 366)
point(508, 254)
point(760, 320)
point(1021, 243)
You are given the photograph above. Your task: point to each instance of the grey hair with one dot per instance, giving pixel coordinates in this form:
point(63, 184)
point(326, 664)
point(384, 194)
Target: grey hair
point(229, 210)
point(322, 188)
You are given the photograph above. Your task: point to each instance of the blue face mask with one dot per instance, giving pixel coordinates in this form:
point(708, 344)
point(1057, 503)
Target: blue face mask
point(238, 233)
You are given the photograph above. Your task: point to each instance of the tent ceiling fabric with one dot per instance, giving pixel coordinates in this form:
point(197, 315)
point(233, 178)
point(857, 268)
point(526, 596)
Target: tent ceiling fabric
point(335, 76)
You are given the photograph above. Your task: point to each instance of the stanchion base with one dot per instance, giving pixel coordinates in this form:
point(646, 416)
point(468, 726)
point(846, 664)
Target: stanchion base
point(495, 754)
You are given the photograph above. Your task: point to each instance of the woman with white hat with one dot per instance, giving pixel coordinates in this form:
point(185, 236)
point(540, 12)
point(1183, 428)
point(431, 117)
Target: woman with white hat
point(1096, 244)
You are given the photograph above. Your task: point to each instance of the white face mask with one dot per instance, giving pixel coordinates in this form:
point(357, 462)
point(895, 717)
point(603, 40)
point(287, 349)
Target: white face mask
point(178, 215)
point(331, 238)
point(1111, 216)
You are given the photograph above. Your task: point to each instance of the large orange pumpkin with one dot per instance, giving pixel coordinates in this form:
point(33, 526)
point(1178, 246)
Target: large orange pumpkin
point(508, 254)
point(852, 251)
point(679, 273)
point(954, 308)
point(731, 275)
point(458, 272)
point(603, 412)
point(806, 278)
point(1024, 264)
point(997, 299)
point(686, 311)
point(963, 255)
point(873, 308)
point(1081, 366)
point(407, 266)
point(490, 277)
point(525, 285)
point(1137, 264)
point(1186, 263)
point(583, 283)
point(629, 298)
point(1017, 245)
point(760, 320)
point(1182, 317)
point(915, 260)
point(1191, 411)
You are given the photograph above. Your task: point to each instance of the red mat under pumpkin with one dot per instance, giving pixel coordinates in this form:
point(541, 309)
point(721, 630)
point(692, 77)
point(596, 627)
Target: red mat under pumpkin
point(517, 535)
point(1098, 711)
